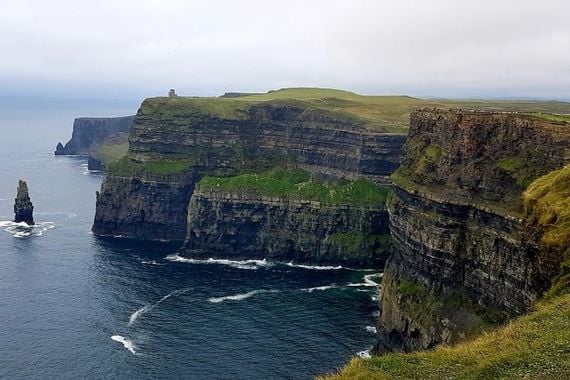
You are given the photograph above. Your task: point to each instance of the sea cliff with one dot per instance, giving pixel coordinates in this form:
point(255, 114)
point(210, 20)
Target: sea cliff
point(174, 142)
point(463, 257)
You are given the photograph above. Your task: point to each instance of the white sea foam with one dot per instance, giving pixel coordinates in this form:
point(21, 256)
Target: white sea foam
point(134, 316)
point(22, 229)
point(151, 262)
point(240, 264)
point(314, 267)
point(371, 329)
point(364, 354)
point(326, 287)
point(367, 281)
point(239, 297)
point(127, 343)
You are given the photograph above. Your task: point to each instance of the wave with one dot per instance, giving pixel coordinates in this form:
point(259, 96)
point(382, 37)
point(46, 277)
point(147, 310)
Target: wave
point(315, 267)
point(367, 281)
point(240, 264)
point(152, 262)
point(326, 287)
point(22, 229)
point(364, 354)
point(371, 329)
point(145, 309)
point(127, 343)
point(240, 297)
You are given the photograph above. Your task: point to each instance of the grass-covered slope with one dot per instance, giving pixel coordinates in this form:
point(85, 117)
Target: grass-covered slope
point(379, 113)
point(297, 184)
point(535, 346)
point(547, 203)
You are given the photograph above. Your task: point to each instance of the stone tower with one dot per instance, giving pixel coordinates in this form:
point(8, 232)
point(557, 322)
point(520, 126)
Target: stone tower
point(23, 207)
point(172, 93)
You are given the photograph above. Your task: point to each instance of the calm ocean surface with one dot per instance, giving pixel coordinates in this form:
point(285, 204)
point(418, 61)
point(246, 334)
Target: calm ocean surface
point(76, 306)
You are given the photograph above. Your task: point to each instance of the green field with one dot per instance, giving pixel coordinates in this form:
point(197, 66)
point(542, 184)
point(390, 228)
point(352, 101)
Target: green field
point(297, 184)
point(381, 113)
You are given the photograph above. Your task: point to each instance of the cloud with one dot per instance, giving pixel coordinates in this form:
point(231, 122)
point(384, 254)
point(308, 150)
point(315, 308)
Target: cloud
point(144, 47)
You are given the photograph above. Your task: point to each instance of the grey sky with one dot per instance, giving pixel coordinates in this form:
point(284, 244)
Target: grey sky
point(136, 48)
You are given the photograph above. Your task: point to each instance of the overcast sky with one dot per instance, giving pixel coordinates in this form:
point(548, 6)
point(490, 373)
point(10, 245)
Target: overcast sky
point(139, 48)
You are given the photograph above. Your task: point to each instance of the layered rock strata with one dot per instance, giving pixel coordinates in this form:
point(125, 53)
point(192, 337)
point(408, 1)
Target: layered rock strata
point(245, 225)
point(225, 137)
point(462, 259)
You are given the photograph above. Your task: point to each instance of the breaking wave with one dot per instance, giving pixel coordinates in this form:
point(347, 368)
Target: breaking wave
point(367, 281)
point(320, 288)
point(22, 229)
point(151, 262)
point(315, 267)
point(240, 264)
point(127, 343)
point(239, 297)
point(371, 329)
point(145, 309)
point(364, 354)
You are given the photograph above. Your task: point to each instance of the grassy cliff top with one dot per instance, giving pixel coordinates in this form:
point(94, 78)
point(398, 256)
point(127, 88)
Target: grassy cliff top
point(297, 184)
point(534, 346)
point(381, 113)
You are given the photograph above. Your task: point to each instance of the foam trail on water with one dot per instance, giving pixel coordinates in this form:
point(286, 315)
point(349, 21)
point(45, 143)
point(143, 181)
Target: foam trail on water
point(240, 264)
point(367, 281)
point(239, 297)
point(134, 316)
point(22, 229)
point(127, 343)
point(315, 267)
point(326, 287)
point(152, 262)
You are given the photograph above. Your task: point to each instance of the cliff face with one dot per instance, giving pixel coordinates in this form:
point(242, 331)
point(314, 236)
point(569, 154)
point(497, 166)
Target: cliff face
point(89, 132)
point(23, 207)
point(243, 225)
point(462, 258)
point(225, 137)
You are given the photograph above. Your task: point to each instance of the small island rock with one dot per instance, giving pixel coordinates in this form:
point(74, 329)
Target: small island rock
point(23, 207)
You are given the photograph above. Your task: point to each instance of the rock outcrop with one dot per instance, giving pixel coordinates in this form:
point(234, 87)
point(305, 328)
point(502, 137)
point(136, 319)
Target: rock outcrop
point(461, 256)
point(182, 139)
point(242, 225)
point(23, 207)
point(89, 132)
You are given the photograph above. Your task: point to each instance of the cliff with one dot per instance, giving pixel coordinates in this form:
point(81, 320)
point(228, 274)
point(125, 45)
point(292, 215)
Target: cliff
point(238, 219)
point(174, 142)
point(89, 132)
point(23, 207)
point(463, 257)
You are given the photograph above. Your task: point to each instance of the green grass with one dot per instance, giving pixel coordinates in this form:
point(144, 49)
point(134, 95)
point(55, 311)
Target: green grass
point(551, 117)
point(520, 169)
point(547, 205)
point(534, 346)
point(379, 113)
point(296, 184)
point(129, 167)
point(353, 242)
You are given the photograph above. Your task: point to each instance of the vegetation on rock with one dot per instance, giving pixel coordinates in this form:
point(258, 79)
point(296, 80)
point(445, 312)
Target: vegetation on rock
point(296, 184)
point(128, 167)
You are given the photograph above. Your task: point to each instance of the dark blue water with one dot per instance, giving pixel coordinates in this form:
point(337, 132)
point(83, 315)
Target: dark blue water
point(65, 293)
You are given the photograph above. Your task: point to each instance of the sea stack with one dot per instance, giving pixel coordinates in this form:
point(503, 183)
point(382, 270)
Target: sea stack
point(23, 207)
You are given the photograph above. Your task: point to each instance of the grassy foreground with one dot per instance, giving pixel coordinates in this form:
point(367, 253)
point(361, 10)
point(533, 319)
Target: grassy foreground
point(297, 184)
point(535, 346)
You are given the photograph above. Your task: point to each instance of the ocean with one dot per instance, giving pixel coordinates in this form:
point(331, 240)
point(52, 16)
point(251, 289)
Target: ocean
point(73, 305)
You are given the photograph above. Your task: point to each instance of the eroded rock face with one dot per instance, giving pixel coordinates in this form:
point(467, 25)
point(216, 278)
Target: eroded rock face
point(462, 258)
point(256, 138)
point(23, 207)
point(89, 132)
point(248, 226)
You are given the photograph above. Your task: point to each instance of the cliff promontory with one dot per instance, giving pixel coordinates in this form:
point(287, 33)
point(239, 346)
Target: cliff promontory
point(174, 142)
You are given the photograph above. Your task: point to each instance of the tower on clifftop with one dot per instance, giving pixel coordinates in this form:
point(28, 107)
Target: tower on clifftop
point(172, 93)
